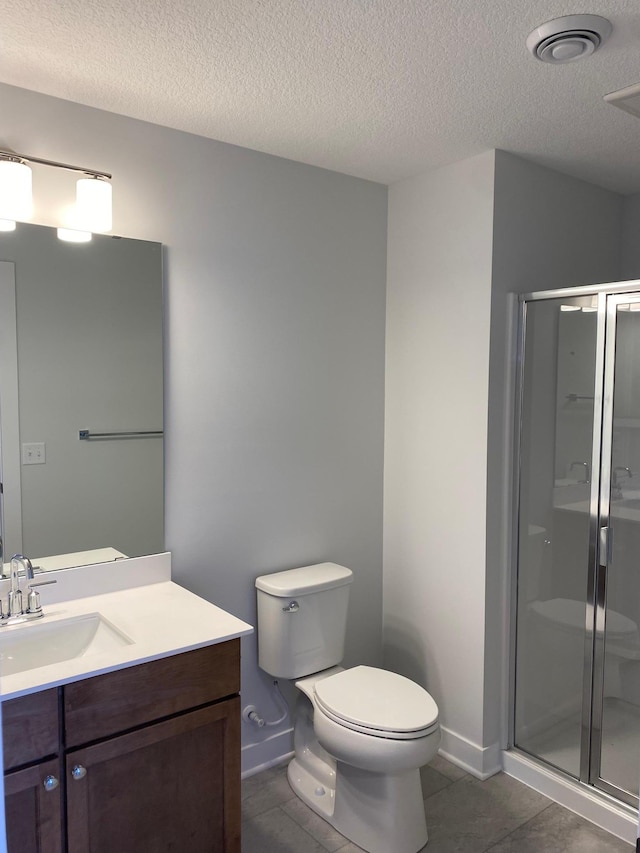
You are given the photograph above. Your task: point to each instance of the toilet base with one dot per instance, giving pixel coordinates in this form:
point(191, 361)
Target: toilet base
point(319, 797)
point(378, 812)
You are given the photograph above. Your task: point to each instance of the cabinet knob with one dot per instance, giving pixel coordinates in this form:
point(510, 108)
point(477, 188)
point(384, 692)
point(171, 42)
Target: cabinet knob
point(78, 772)
point(50, 783)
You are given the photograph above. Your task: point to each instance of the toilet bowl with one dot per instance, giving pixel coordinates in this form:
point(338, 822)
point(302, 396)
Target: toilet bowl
point(374, 719)
point(360, 734)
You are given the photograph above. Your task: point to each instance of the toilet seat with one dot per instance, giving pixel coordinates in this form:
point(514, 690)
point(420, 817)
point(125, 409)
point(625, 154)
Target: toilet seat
point(377, 702)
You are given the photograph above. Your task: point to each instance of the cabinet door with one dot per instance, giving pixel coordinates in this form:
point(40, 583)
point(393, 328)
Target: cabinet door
point(32, 809)
point(30, 729)
point(172, 786)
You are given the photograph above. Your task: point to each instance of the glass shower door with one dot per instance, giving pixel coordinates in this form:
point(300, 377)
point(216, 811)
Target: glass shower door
point(577, 652)
point(557, 530)
point(615, 747)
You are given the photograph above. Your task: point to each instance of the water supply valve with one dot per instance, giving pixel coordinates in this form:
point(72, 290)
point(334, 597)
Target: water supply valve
point(250, 715)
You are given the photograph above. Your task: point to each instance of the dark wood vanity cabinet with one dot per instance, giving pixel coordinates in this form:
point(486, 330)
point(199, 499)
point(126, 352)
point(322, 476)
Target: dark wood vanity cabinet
point(150, 761)
point(31, 748)
point(160, 788)
point(34, 813)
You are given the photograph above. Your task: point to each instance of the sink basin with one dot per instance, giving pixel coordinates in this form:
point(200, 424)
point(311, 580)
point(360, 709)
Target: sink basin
point(39, 644)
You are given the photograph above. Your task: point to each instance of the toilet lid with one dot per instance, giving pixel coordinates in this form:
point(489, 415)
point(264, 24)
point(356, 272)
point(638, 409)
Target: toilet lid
point(377, 700)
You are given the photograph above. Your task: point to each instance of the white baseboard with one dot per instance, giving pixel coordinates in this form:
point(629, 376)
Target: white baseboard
point(586, 802)
point(479, 761)
point(267, 753)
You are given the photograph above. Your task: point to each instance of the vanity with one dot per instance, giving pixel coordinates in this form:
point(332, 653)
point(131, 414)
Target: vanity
point(134, 744)
point(120, 707)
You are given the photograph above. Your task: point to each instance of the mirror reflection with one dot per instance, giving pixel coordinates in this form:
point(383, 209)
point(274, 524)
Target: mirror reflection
point(80, 351)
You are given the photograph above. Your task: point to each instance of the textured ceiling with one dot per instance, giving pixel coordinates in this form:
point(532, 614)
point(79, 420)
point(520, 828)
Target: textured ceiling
point(381, 89)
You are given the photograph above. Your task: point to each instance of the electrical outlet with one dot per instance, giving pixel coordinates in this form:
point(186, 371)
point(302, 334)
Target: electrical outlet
point(33, 453)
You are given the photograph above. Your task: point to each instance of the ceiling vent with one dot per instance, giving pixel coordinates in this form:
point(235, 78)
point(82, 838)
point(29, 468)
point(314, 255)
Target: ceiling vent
point(568, 38)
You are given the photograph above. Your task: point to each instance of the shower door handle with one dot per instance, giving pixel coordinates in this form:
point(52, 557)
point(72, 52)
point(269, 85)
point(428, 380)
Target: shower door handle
point(606, 546)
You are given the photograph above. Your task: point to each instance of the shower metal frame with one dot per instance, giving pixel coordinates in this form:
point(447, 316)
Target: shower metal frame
point(609, 296)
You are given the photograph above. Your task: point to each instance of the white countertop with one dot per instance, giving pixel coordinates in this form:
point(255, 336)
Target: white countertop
point(618, 510)
point(161, 619)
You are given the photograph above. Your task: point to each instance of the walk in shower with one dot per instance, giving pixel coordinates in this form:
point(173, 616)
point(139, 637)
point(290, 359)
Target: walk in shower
point(577, 650)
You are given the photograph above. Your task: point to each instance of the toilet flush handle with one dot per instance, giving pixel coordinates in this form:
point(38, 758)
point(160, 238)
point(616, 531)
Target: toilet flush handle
point(291, 607)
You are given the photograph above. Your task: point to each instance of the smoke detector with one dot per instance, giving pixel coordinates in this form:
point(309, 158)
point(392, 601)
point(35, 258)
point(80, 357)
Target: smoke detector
point(568, 38)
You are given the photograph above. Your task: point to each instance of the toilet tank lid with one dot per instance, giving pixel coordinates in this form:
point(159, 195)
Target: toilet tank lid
point(305, 580)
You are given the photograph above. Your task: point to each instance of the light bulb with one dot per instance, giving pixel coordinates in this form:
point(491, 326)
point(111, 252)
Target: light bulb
point(15, 191)
point(72, 235)
point(93, 204)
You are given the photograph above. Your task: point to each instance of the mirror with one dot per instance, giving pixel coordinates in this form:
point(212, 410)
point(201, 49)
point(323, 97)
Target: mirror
point(80, 350)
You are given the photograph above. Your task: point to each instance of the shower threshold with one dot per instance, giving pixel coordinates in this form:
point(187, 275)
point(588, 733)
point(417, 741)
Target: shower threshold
point(596, 806)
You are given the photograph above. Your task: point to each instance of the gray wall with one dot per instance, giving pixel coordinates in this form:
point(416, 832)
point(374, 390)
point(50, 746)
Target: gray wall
point(275, 299)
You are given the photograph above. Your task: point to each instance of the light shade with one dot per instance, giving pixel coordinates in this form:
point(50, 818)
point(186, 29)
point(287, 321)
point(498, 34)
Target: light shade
point(93, 204)
point(15, 191)
point(7, 225)
point(72, 235)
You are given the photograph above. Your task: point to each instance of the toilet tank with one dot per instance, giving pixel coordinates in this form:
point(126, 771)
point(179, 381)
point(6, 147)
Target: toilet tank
point(302, 619)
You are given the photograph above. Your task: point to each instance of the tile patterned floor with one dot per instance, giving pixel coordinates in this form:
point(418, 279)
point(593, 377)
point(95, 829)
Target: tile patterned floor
point(464, 815)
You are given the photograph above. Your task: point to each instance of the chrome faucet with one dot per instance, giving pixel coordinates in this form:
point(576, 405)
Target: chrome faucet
point(15, 611)
point(15, 594)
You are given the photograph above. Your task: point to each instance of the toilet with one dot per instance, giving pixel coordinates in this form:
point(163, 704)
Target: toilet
point(362, 734)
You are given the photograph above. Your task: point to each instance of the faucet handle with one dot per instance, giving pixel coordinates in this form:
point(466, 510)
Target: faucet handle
point(34, 608)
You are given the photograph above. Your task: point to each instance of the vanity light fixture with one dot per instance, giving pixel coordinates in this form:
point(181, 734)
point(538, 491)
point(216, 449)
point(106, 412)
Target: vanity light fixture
point(92, 211)
point(71, 235)
point(93, 203)
point(15, 189)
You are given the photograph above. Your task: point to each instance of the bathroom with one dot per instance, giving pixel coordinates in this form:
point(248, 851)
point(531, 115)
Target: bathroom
point(286, 288)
